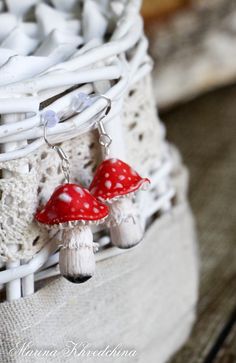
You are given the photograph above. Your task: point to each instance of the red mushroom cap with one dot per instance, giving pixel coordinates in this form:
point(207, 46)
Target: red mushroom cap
point(114, 178)
point(71, 202)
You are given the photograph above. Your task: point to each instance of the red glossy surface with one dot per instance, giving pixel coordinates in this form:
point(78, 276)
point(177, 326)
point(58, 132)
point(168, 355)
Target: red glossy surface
point(114, 178)
point(71, 202)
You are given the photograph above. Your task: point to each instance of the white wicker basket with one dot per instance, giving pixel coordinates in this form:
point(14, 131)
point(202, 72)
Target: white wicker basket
point(49, 79)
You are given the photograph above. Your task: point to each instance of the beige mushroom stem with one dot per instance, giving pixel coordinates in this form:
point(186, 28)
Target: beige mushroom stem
point(124, 223)
point(76, 257)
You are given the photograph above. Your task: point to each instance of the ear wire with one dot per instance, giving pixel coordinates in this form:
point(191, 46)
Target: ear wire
point(50, 119)
point(105, 140)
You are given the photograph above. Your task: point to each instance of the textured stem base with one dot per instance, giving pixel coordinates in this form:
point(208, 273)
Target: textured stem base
point(76, 258)
point(125, 228)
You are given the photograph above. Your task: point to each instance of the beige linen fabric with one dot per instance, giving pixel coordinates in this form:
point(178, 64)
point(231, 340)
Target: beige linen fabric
point(143, 299)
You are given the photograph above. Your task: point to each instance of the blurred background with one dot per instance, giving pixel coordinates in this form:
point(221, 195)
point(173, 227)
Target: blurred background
point(193, 44)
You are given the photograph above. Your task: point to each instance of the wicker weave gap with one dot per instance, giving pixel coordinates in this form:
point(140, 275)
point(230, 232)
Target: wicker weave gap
point(50, 100)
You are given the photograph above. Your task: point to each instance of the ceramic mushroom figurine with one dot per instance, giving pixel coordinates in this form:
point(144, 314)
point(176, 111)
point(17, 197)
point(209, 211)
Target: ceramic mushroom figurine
point(72, 208)
point(115, 182)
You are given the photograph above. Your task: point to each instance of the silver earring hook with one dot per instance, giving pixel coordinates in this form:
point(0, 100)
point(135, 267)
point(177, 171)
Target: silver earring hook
point(107, 108)
point(82, 101)
point(50, 119)
point(104, 139)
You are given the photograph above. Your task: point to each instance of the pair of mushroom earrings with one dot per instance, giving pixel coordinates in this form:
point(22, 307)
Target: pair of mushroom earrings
point(73, 209)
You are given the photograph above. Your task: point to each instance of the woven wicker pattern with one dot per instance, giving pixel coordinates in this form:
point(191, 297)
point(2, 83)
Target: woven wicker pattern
point(89, 47)
point(22, 192)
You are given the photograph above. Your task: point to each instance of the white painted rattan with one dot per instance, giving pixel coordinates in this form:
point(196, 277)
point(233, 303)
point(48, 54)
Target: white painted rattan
point(115, 66)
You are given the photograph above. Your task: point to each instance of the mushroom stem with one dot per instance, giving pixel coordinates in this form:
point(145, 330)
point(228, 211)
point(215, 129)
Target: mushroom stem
point(125, 226)
point(76, 258)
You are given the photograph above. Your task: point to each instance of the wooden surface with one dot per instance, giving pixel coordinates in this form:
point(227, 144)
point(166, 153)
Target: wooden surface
point(205, 132)
point(227, 352)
